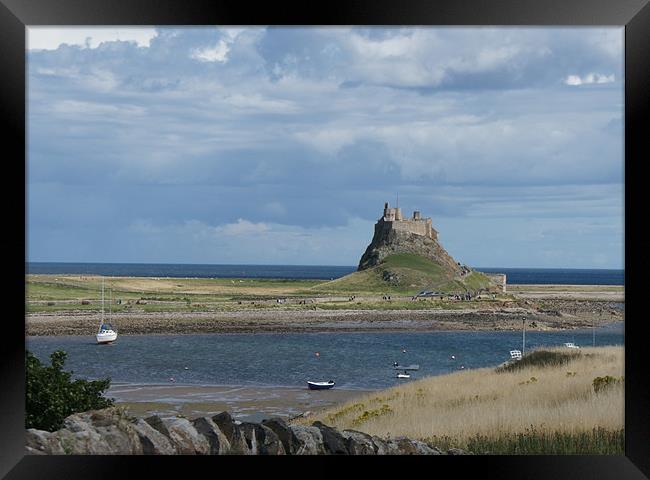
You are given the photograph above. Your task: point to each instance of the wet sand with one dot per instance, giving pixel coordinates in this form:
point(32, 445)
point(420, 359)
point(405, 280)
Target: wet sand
point(244, 403)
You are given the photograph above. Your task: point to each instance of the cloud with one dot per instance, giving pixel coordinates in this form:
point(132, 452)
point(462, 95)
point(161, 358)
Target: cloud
point(589, 78)
point(434, 59)
point(51, 38)
point(218, 53)
point(241, 227)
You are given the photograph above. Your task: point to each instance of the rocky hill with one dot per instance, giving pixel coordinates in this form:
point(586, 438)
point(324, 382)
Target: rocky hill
point(406, 257)
point(388, 241)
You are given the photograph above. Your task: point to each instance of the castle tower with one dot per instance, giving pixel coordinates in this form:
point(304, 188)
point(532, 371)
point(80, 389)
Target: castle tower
point(392, 214)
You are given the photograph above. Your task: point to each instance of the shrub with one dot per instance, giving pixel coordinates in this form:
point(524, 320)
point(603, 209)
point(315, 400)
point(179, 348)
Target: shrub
point(367, 415)
point(539, 358)
point(602, 383)
point(51, 395)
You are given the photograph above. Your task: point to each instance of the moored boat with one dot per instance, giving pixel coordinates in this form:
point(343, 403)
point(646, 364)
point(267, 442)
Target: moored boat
point(407, 367)
point(320, 385)
point(106, 333)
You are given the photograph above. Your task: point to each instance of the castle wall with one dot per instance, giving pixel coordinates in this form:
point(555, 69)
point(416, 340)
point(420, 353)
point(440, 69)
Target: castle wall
point(418, 227)
point(393, 220)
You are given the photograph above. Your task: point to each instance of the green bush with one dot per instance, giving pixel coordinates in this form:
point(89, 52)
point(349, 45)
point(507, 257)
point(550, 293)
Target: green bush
point(51, 395)
point(539, 358)
point(602, 383)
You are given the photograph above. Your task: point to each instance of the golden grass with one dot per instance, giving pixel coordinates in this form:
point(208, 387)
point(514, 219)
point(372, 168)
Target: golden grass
point(177, 286)
point(463, 404)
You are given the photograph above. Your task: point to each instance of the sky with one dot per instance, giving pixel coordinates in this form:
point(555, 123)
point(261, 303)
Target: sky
point(256, 145)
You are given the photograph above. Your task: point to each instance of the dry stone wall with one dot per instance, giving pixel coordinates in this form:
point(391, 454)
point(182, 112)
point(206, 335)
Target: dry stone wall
point(112, 432)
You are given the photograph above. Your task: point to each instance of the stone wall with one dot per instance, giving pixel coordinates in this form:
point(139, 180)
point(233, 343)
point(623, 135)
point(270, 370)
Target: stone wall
point(112, 432)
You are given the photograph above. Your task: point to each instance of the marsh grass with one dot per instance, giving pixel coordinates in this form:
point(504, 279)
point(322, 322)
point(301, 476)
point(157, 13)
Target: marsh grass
point(597, 441)
point(505, 412)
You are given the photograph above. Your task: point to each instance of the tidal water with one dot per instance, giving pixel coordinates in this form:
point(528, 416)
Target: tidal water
point(515, 276)
point(353, 360)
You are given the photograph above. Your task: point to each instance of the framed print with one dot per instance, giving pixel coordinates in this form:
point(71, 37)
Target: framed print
point(402, 232)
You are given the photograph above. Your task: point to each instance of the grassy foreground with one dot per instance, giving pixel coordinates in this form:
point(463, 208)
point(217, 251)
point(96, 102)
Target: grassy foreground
point(551, 404)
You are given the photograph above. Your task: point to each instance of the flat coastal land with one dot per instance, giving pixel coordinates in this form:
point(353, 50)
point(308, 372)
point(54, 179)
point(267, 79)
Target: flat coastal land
point(71, 305)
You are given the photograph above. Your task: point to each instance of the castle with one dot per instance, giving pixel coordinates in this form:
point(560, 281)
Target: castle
point(415, 235)
point(393, 220)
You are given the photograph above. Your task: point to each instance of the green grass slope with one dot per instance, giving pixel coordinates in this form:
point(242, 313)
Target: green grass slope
point(406, 274)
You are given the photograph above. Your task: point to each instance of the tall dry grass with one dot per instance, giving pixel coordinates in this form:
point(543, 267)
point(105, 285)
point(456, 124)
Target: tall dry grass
point(482, 402)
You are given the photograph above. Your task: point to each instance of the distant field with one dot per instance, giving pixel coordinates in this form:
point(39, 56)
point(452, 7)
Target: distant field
point(60, 294)
point(84, 286)
point(64, 292)
point(553, 408)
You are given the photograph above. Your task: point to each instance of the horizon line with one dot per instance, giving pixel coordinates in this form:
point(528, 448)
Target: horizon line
point(303, 265)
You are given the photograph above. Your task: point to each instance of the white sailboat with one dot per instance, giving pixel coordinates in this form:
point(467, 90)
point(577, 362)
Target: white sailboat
point(106, 334)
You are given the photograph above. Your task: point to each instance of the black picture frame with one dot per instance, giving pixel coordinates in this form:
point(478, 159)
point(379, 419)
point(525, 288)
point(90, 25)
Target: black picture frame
point(15, 15)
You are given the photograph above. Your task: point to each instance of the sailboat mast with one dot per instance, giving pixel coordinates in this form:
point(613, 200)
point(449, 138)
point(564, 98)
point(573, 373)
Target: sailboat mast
point(102, 300)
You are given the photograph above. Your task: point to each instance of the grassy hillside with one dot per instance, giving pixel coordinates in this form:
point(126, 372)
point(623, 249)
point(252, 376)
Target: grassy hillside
point(557, 401)
point(404, 273)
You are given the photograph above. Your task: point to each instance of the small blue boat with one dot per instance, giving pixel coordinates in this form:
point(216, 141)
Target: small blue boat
point(320, 385)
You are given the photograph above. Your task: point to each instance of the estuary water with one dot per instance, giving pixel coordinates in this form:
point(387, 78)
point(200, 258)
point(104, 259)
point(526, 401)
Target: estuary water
point(354, 360)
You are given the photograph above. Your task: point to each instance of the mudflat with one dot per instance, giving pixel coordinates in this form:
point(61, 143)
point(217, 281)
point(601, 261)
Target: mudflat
point(243, 402)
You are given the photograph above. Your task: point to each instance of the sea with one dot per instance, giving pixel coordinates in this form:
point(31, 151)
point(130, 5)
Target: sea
point(514, 276)
point(360, 360)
